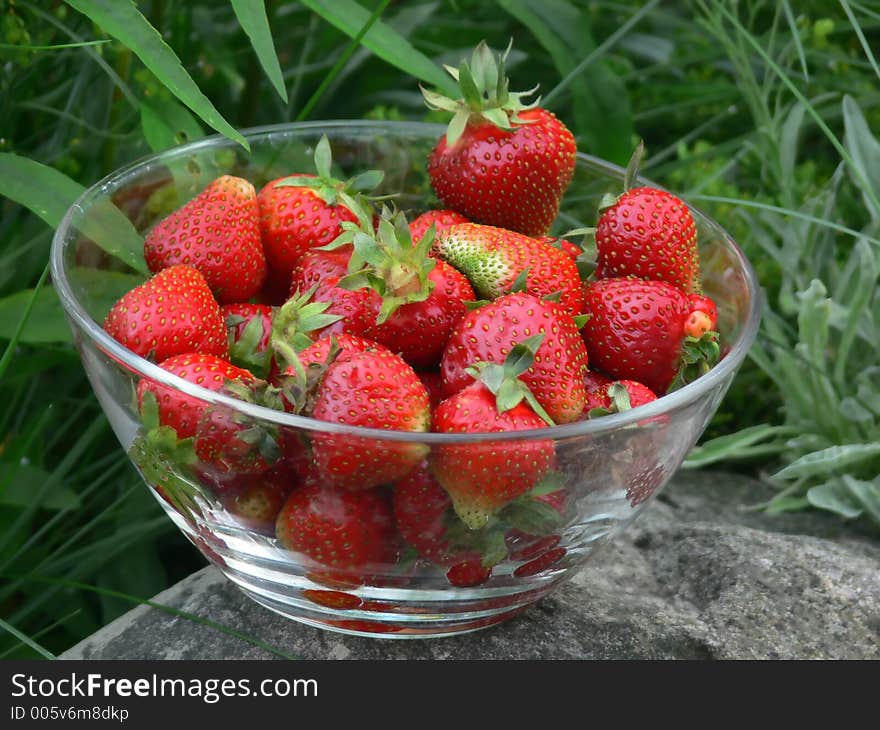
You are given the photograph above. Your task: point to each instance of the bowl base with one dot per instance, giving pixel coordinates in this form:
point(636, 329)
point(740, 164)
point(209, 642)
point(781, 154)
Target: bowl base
point(384, 629)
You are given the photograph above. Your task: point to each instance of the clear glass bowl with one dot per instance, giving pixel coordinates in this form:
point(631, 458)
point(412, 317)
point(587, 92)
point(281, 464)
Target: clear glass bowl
point(610, 467)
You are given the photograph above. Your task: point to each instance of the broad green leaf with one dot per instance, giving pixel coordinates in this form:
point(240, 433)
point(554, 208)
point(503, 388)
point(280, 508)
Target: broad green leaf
point(39, 188)
point(349, 17)
point(50, 193)
point(834, 497)
point(830, 460)
point(47, 322)
point(122, 20)
point(864, 149)
point(251, 15)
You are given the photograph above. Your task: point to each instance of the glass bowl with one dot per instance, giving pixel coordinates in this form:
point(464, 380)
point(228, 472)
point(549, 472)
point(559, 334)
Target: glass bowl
point(605, 471)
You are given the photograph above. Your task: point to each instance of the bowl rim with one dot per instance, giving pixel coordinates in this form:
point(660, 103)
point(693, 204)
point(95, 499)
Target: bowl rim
point(143, 368)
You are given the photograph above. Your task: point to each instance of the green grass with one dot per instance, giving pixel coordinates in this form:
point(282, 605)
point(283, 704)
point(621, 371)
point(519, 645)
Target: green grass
point(764, 114)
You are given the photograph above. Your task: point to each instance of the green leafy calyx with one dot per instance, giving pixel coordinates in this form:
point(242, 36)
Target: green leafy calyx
point(485, 96)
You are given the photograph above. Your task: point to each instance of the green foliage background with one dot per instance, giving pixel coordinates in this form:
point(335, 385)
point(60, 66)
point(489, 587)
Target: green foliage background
point(761, 113)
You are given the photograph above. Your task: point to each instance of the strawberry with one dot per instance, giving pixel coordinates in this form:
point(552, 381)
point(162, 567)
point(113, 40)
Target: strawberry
point(595, 384)
point(217, 232)
point(339, 529)
point(489, 334)
point(440, 219)
point(256, 500)
point(249, 329)
point(497, 261)
point(502, 162)
point(372, 388)
point(420, 299)
point(483, 477)
point(618, 396)
point(572, 249)
point(301, 212)
point(355, 310)
point(172, 313)
point(647, 233)
point(637, 331)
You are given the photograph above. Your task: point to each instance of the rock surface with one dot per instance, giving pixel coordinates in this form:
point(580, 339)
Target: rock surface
point(697, 576)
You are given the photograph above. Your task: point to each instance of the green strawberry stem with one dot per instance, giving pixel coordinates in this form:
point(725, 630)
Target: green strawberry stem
point(620, 402)
point(698, 356)
point(165, 461)
point(246, 350)
point(503, 381)
point(329, 188)
point(301, 387)
point(485, 95)
point(609, 200)
point(386, 261)
point(292, 322)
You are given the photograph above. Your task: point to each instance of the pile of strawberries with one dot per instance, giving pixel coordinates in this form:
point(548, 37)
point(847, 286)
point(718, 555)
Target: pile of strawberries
point(310, 297)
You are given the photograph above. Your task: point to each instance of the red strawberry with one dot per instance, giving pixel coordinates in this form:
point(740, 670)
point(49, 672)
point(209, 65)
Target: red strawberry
point(501, 162)
point(483, 477)
point(183, 412)
point(250, 328)
point(338, 529)
point(618, 396)
point(420, 299)
point(488, 334)
point(704, 317)
point(301, 212)
point(356, 309)
point(440, 219)
point(373, 388)
point(468, 573)
point(647, 233)
point(496, 261)
point(216, 232)
point(637, 332)
point(171, 314)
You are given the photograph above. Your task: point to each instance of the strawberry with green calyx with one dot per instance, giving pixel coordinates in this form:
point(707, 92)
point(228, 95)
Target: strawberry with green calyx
point(249, 328)
point(222, 439)
point(218, 233)
point(440, 219)
point(295, 323)
point(502, 162)
point(638, 330)
point(482, 478)
point(619, 396)
point(356, 309)
point(422, 299)
point(302, 212)
point(496, 261)
point(172, 313)
point(360, 385)
point(489, 334)
point(647, 233)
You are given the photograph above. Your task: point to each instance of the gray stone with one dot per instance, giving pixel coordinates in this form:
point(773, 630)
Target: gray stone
point(697, 576)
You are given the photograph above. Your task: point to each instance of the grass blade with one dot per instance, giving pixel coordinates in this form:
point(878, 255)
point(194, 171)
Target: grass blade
point(341, 61)
point(829, 460)
point(251, 15)
point(864, 41)
point(16, 335)
point(599, 50)
point(350, 17)
point(122, 20)
point(161, 607)
point(25, 639)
